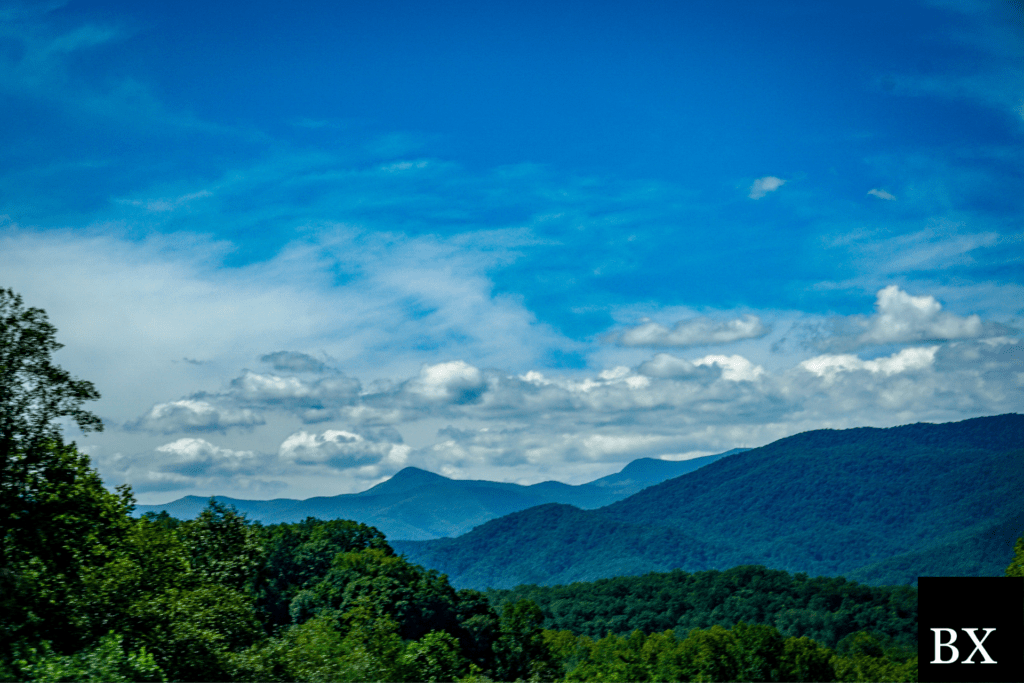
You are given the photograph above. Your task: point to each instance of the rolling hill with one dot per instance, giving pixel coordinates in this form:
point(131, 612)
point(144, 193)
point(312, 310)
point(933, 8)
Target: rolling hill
point(419, 505)
point(883, 506)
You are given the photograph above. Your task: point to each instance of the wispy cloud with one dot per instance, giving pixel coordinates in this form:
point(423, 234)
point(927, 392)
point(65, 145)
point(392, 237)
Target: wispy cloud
point(983, 28)
point(694, 332)
point(763, 186)
point(881, 194)
point(168, 204)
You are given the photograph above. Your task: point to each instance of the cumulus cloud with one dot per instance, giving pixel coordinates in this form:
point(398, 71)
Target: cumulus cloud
point(197, 466)
point(828, 366)
point(881, 194)
point(194, 416)
point(198, 458)
point(694, 332)
point(763, 186)
point(734, 368)
point(452, 382)
point(667, 366)
point(344, 450)
point(901, 317)
point(291, 391)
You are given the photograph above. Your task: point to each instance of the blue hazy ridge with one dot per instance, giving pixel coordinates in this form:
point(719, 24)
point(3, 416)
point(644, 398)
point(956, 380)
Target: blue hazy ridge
point(419, 505)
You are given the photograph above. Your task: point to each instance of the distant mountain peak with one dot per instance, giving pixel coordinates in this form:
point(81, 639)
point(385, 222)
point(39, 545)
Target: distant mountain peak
point(407, 479)
point(644, 472)
point(407, 473)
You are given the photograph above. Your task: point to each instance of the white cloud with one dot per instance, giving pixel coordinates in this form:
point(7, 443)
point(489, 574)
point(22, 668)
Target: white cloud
point(881, 194)
point(938, 248)
point(344, 450)
point(666, 366)
point(902, 318)
point(734, 368)
point(828, 366)
point(166, 204)
point(399, 166)
point(197, 457)
point(763, 186)
point(255, 388)
point(452, 382)
point(694, 332)
point(194, 416)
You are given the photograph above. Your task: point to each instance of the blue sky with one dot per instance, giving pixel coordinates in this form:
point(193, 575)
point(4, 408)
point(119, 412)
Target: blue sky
point(299, 246)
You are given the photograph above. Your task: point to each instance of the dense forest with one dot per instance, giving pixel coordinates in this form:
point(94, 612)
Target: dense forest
point(90, 593)
point(880, 506)
point(824, 609)
point(220, 598)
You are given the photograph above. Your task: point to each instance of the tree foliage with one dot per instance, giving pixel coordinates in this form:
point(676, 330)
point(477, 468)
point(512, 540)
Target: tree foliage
point(1016, 567)
point(106, 662)
point(825, 609)
point(34, 394)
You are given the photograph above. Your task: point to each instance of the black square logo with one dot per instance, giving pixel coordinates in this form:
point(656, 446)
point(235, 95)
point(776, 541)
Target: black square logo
point(970, 629)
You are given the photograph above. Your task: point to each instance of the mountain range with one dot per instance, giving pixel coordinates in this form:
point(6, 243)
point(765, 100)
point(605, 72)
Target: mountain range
point(880, 506)
point(418, 505)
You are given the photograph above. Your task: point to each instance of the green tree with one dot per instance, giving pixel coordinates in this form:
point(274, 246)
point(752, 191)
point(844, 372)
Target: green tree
point(1016, 567)
point(360, 645)
point(107, 662)
point(194, 635)
point(223, 547)
point(34, 394)
point(479, 628)
point(866, 656)
point(55, 565)
point(57, 521)
point(435, 657)
point(614, 659)
point(804, 660)
point(520, 651)
point(420, 601)
point(298, 556)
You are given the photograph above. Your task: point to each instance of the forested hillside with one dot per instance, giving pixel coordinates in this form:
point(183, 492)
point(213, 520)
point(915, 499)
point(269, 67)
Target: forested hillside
point(824, 609)
point(883, 506)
